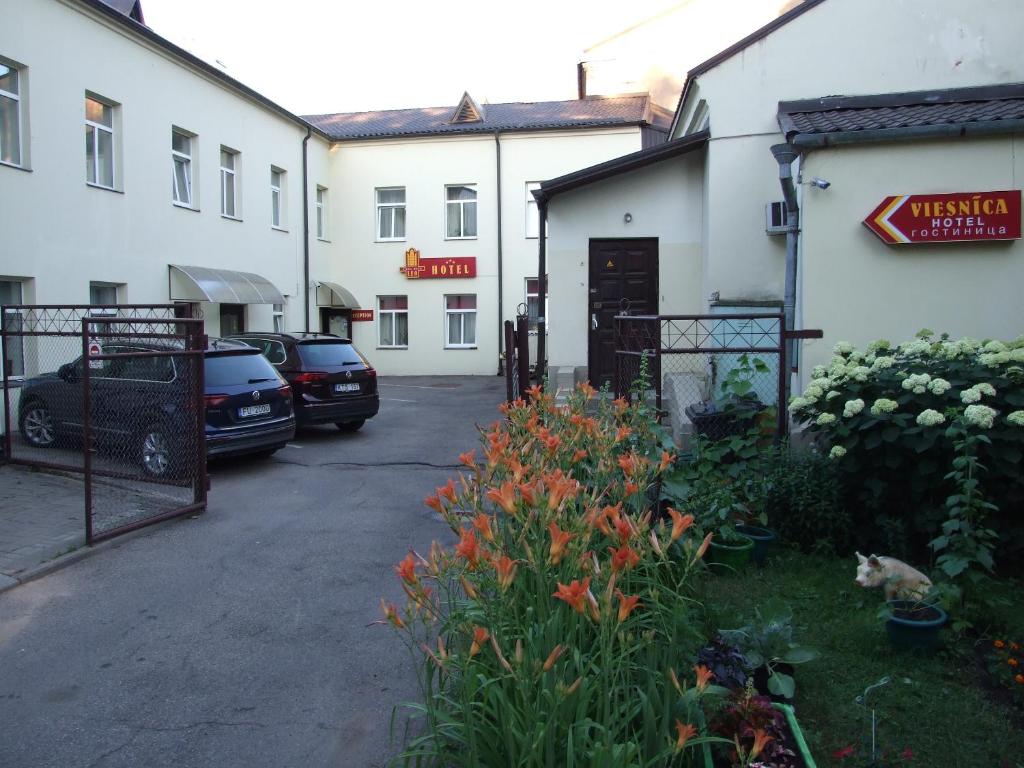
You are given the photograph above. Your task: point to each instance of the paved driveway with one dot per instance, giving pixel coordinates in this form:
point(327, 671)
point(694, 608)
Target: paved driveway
point(241, 637)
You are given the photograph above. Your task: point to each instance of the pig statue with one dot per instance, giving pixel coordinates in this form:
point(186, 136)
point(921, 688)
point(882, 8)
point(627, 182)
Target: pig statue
point(899, 580)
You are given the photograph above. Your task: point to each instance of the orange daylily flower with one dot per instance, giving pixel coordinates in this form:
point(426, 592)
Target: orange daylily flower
point(468, 459)
point(761, 740)
point(623, 558)
point(999, 644)
point(622, 433)
point(468, 548)
point(620, 405)
point(631, 463)
point(686, 732)
point(434, 502)
point(680, 522)
point(1011, 661)
point(666, 461)
point(631, 488)
point(575, 594)
point(516, 468)
point(506, 568)
point(482, 523)
point(529, 493)
point(703, 547)
point(555, 655)
point(447, 490)
point(559, 539)
point(587, 390)
point(391, 614)
point(579, 456)
point(468, 588)
point(480, 636)
point(560, 489)
point(406, 570)
point(704, 676)
point(624, 528)
point(504, 497)
point(627, 604)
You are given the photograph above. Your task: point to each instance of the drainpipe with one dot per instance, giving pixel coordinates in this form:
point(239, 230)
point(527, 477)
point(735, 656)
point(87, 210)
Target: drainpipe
point(542, 285)
point(501, 295)
point(785, 154)
point(305, 228)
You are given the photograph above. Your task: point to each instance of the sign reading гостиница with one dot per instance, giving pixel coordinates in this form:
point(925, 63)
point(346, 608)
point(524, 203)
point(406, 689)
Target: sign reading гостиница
point(947, 218)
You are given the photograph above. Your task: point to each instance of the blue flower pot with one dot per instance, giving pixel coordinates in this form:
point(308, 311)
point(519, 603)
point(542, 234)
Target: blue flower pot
point(764, 542)
point(915, 627)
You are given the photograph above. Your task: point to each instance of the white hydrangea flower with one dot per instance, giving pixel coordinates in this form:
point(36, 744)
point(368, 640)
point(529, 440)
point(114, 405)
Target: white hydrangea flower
point(843, 348)
point(853, 407)
point(917, 382)
point(824, 382)
point(837, 371)
point(881, 363)
point(980, 415)
point(879, 344)
point(994, 346)
point(883, 405)
point(1017, 355)
point(860, 373)
point(813, 390)
point(992, 359)
point(825, 419)
point(819, 372)
point(917, 347)
point(798, 403)
point(832, 394)
point(1016, 418)
point(985, 388)
point(970, 395)
point(930, 418)
point(938, 386)
point(837, 452)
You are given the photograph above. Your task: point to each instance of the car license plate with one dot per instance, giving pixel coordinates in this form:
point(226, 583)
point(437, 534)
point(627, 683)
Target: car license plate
point(254, 410)
point(346, 387)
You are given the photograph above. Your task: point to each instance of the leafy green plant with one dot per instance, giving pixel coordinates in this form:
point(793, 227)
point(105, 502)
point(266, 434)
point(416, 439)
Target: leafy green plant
point(803, 499)
point(767, 640)
point(737, 388)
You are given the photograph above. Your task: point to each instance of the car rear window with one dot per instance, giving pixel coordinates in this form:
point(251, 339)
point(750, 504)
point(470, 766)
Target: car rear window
point(329, 353)
point(229, 370)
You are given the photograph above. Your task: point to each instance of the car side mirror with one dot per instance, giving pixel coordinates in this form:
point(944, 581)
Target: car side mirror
point(68, 372)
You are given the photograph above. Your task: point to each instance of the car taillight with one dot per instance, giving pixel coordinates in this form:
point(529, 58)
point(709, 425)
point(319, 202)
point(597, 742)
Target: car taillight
point(212, 401)
point(371, 372)
point(285, 392)
point(308, 377)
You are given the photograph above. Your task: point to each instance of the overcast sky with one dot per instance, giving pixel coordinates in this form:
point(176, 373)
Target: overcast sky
point(314, 56)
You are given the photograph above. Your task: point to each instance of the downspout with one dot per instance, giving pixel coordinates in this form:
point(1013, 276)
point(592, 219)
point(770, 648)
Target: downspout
point(542, 285)
point(305, 228)
point(785, 154)
point(501, 294)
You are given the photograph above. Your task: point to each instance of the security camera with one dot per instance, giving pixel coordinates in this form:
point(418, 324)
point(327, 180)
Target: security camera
point(820, 183)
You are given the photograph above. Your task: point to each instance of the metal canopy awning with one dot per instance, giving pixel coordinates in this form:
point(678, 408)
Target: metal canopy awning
point(224, 286)
point(334, 295)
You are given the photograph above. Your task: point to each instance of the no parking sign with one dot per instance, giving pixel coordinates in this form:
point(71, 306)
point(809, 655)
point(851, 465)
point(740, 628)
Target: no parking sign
point(95, 349)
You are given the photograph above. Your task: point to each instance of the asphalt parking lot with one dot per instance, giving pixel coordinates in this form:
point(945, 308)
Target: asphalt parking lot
point(244, 636)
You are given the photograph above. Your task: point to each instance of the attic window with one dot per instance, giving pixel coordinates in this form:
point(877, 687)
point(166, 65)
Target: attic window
point(468, 111)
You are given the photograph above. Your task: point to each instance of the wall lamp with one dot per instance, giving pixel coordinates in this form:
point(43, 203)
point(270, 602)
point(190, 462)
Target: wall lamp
point(628, 217)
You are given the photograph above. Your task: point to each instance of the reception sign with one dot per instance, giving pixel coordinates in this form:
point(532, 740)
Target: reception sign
point(455, 266)
point(947, 218)
point(362, 315)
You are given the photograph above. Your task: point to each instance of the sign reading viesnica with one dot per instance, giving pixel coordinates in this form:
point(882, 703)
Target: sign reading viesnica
point(947, 218)
point(455, 266)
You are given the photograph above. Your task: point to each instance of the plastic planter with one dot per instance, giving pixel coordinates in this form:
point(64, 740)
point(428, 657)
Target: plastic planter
point(914, 627)
point(798, 735)
point(764, 542)
point(730, 557)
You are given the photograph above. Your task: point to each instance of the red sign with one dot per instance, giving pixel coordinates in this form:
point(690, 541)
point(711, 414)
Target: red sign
point(362, 315)
point(947, 218)
point(454, 266)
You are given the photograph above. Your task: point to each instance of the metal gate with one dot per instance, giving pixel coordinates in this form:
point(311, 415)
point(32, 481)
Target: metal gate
point(517, 358)
point(113, 395)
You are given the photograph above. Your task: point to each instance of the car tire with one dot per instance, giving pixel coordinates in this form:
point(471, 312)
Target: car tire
point(157, 454)
point(36, 425)
point(350, 426)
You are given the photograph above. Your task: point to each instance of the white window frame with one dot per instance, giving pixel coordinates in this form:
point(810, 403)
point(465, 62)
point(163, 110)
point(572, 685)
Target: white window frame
point(19, 113)
point(542, 309)
point(532, 216)
point(186, 159)
point(20, 324)
point(391, 319)
point(462, 322)
point(277, 195)
point(390, 208)
point(321, 213)
point(109, 129)
point(99, 284)
point(230, 175)
point(462, 212)
point(278, 318)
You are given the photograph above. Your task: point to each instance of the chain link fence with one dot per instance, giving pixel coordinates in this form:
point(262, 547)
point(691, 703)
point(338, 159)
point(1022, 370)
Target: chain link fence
point(709, 375)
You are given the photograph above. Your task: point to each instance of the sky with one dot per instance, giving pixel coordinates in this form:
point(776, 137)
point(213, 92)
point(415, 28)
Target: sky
point(316, 56)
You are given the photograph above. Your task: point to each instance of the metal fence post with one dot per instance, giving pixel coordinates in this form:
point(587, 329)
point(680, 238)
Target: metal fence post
point(523, 352)
point(87, 431)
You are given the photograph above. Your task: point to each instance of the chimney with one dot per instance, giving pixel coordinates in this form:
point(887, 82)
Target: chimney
point(581, 80)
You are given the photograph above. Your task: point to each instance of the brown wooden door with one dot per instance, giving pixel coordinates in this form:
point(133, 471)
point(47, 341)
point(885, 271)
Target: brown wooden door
point(619, 269)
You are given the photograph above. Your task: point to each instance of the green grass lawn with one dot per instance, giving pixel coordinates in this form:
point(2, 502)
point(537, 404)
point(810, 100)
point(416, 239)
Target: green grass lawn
point(935, 706)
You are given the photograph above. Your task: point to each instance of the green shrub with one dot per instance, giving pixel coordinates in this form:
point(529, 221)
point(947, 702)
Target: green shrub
point(803, 502)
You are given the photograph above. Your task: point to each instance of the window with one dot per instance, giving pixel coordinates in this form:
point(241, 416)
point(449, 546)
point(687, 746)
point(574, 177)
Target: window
point(229, 206)
point(532, 222)
point(461, 212)
point(460, 321)
point(14, 353)
point(277, 198)
point(181, 155)
point(278, 319)
point(232, 319)
point(533, 302)
point(393, 321)
point(99, 143)
point(321, 213)
point(391, 213)
point(10, 114)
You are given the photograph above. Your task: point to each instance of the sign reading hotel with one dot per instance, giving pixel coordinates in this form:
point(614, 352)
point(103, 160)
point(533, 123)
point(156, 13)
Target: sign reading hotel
point(457, 266)
point(947, 218)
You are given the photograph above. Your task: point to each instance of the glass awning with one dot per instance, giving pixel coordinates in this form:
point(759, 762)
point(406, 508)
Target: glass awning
point(335, 295)
point(223, 286)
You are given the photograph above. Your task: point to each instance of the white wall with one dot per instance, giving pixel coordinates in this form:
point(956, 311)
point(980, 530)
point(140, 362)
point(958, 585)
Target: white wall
point(63, 233)
point(666, 202)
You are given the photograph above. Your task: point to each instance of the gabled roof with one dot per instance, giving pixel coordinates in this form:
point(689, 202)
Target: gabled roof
point(591, 112)
point(620, 165)
point(887, 116)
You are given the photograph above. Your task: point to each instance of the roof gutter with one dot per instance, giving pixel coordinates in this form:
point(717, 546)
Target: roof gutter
point(501, 295)
point(947, 131)
point(785, 154)
point(305, 227)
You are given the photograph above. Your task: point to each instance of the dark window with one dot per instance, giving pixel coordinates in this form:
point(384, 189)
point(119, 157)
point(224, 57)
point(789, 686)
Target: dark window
point(232, 319)
point(233, 369)
point(329, 353)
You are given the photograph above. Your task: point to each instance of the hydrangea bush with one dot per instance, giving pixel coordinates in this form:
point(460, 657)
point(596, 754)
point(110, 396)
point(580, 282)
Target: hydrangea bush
point(884, 415)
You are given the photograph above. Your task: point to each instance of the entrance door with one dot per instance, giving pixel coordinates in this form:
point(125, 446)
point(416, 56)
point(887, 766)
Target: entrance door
point(336, 321)
point(619, 269)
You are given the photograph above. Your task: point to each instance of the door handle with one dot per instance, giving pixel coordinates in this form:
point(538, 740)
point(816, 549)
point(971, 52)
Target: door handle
point(593, 321)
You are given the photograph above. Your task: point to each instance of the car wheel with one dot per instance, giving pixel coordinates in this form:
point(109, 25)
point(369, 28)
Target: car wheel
point(156, 451)
point(37, 424)
point(350, 426)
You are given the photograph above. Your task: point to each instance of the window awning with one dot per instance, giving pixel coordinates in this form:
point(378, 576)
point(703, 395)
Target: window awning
point(223, 286)
point(334, 295)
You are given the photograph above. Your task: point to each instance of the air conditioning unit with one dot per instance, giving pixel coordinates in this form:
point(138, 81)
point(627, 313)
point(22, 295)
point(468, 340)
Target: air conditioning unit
point(775, 218)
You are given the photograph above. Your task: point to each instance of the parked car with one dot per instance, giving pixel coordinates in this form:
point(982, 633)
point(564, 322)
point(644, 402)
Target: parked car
point(332, 381)
point(139, 404)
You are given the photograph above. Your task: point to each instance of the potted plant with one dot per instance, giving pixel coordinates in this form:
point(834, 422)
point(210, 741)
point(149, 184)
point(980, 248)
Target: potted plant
point(767, 643)
point(736, 408)
point(913, 625)
point(717, 511)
